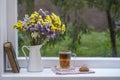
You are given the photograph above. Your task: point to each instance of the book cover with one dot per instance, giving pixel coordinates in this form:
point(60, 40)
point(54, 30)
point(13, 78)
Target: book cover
point(9, 50)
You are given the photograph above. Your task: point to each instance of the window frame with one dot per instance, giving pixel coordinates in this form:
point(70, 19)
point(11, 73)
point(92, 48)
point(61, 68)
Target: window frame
point(8, 16)
point(11, 19)
point(11, 34)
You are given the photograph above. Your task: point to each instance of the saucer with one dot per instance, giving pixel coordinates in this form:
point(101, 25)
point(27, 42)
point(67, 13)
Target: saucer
point(58, 68)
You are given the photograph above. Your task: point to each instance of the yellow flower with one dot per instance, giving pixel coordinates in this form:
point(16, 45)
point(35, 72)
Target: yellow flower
point(53, 16)
point(59, 29)
point(41, 21)
point(18, 25)
point(34, 15)
point(40, 17)
point(32, 21)
point(63, 28)
point(59, 21)
point(53, 28)
point(56, 20)
point(47, 19)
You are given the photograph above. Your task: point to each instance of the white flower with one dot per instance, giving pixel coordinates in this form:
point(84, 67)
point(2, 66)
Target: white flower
point(34, 35)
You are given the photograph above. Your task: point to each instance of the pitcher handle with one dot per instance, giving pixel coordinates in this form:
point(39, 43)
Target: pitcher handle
point(24, 52)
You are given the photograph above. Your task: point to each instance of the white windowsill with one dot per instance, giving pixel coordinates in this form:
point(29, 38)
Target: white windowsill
point(48, 74)
point(105, 69)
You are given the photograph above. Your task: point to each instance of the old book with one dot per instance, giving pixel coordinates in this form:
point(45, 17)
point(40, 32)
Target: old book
point(9, 50)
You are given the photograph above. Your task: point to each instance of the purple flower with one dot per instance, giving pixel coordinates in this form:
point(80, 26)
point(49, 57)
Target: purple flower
point(39, 11)
point(39, 29)
point(43, 16)
point(31, 29)
point(23, 19)
point(44, 30)
point(52, 34)
point(39, 25)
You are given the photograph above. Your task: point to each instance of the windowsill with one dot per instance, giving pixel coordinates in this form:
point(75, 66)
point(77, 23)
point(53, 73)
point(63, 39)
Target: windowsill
point(100, 74)
point(105, 69)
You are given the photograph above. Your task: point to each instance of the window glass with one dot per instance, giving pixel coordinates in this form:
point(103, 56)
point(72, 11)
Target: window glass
point(87, 28)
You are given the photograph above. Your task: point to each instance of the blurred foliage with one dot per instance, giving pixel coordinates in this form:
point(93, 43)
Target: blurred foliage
point(90, 44)
point(112, 10)
point(29, 5)
point(71, 11)
point(112, 5)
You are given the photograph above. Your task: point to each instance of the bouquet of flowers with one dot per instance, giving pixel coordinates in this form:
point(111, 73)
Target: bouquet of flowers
point(41, 26)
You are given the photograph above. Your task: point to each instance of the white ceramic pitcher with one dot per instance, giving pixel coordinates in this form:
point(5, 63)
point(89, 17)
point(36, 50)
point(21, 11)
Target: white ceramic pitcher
point(34, 61)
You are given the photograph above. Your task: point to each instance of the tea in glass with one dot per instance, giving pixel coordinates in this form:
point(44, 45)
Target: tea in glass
point(64, 59)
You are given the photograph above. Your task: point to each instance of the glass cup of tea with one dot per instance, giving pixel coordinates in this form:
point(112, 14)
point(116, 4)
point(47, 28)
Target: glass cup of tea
point(65, 59)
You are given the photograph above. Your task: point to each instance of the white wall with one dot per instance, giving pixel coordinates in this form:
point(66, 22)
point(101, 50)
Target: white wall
point(3, 32)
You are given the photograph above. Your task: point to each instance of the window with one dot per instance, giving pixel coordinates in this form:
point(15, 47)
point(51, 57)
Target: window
point(8, 15)
point(92, 40)
point(11, 35)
